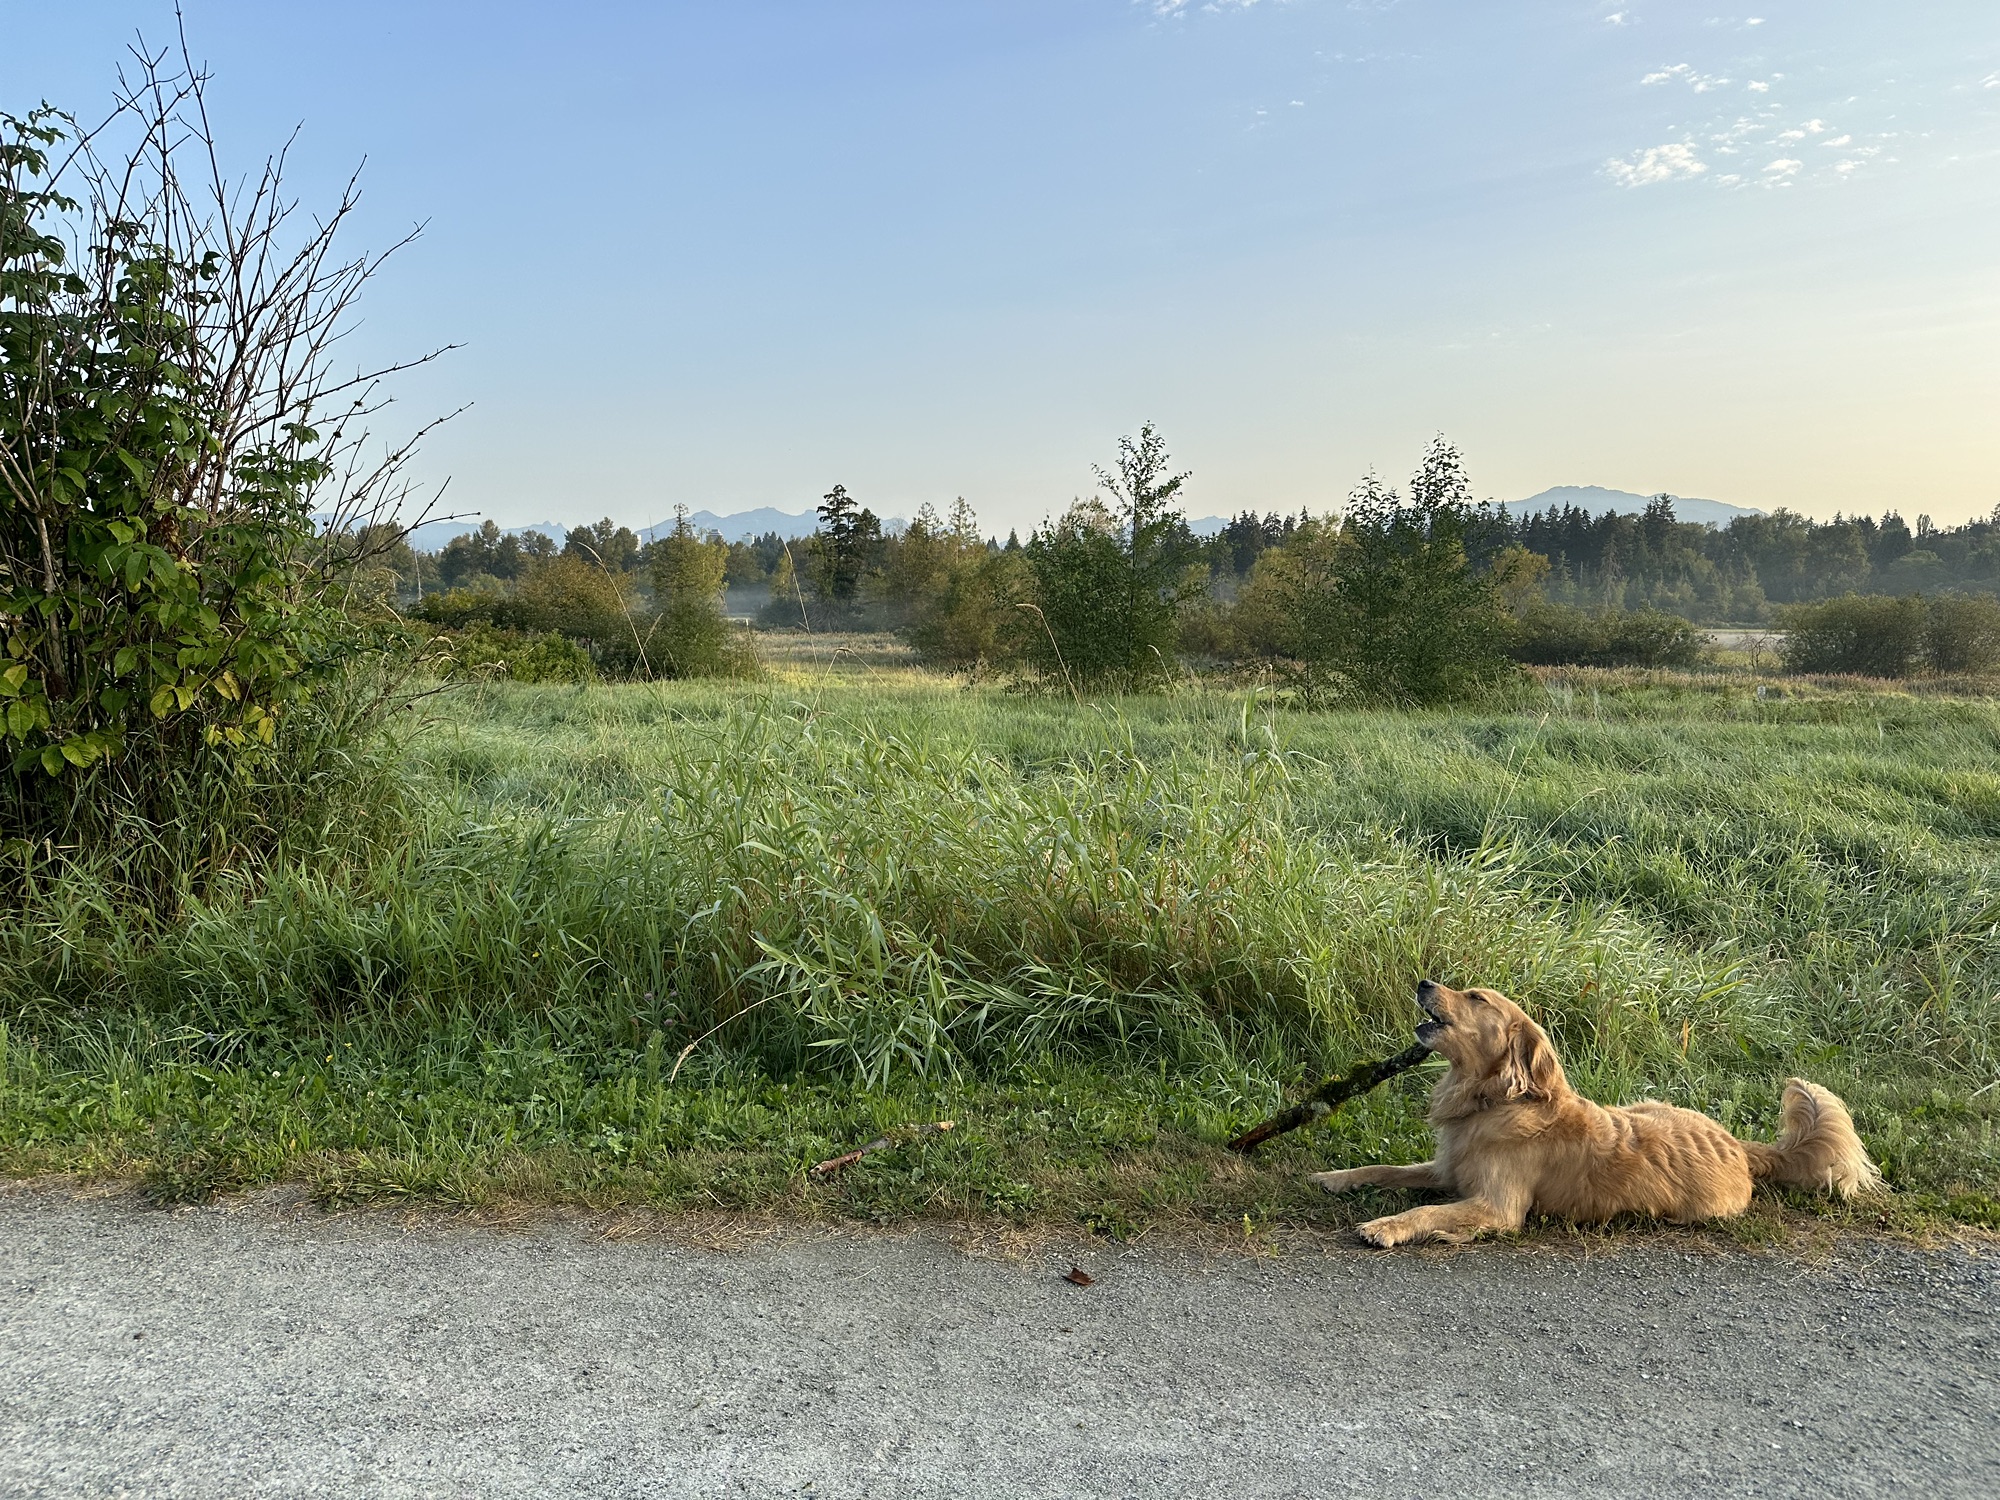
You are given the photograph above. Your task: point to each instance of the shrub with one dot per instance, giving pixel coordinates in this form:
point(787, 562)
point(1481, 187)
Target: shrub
point(565, 596)
point(482, 648)
point(1962, 633)
point(1387, 606)
point(170, 427)
point(962, 600)
point(1110, 579)
point(690, 637)
point(1556, 635)
point(455, 609)
point(1868, 635)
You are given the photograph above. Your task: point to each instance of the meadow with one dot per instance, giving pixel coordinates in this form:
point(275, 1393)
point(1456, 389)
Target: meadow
point(667, 945)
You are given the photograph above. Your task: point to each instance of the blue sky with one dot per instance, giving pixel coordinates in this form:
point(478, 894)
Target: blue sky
point(729, 254)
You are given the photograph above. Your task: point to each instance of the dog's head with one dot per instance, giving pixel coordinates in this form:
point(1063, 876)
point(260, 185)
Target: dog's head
point(1490, 1043)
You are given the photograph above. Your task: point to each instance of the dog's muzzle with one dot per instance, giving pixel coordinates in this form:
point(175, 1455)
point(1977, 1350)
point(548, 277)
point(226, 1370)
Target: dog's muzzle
point(1427, 1001)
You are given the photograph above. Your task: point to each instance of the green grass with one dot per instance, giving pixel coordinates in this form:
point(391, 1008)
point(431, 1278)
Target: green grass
point(1101, 939)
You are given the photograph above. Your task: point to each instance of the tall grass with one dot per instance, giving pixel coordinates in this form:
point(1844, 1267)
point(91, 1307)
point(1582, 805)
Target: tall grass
point(616, 906)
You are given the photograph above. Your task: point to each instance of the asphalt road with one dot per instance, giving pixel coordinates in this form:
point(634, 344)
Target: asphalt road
point(252, 1351)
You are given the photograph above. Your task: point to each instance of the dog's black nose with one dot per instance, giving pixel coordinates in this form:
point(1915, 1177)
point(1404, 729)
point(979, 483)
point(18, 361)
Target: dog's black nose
point(1425, 986)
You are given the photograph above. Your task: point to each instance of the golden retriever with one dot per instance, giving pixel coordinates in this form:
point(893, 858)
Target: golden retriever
point(1514, 1137)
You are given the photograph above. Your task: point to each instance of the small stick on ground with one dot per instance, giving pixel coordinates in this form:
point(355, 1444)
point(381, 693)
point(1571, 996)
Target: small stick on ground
point(881, 1143)
point(1330, 1095)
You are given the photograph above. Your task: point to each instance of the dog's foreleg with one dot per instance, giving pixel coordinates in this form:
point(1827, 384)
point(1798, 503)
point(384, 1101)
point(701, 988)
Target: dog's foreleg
point(1451, 1222)
point(1423, 1174)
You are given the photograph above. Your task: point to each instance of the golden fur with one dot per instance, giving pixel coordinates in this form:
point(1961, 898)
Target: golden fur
point(1513, 1138)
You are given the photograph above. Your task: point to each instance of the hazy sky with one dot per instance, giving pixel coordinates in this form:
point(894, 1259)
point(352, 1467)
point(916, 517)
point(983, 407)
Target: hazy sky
point(728, 254)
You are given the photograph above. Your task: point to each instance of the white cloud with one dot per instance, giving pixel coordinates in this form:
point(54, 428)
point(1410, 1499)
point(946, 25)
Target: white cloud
point(1839, 140)
point(1784, 167)
point(1754, 21)
point(1757, 87)
point(1814, 127)
point(1791, 135)
point(1671, 162)
point(1701, 83)
point(1846, 166)
point(1990, 81)
point(1616, 18)
point(1180, 7)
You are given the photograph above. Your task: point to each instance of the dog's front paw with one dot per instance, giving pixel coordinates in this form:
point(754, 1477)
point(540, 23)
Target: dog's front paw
point(1333, 1182)
point(1386, 1234)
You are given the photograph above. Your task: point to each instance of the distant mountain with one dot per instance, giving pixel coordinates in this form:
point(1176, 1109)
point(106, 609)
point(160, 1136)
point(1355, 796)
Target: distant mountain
point(1599, 501)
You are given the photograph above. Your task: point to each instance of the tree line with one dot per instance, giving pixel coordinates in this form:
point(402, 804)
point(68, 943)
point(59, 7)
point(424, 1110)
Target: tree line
point(1414, 595)
point(1737, 573)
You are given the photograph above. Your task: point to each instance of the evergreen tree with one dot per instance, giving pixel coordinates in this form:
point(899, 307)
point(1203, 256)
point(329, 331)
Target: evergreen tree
point(844, 547)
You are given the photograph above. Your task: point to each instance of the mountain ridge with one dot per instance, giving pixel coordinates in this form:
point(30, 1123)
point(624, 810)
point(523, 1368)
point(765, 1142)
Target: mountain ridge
point(1599, 501)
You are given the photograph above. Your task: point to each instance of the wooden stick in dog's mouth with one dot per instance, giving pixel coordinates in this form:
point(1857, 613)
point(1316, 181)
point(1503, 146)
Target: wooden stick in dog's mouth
point(1330, 1095)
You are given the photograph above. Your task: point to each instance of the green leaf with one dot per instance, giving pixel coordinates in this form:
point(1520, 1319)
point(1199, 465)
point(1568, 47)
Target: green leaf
point(52, 761)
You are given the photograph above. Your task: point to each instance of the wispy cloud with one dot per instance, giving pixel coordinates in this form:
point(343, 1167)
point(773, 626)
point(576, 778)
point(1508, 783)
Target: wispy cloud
point(1784, 167)
point(1181, 7)
point(1675, 161)
point(1701, 83)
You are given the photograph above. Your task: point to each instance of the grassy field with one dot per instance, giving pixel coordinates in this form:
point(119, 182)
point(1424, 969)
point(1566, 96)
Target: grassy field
point(669, 945)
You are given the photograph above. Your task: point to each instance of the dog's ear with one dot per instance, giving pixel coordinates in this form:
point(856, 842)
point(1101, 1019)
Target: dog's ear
point(1531, 1070)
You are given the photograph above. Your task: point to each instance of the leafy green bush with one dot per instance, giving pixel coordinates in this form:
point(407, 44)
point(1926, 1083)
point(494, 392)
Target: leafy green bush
point(1387, 605)
point(1109, 579)
point(484, 649)
point(170, 428)
point(689, 637)
point(1556, 635)
point(1962, 633)
point(455, 609)
point(564, 597)
point(150, 565)
point(957, 601)
point(1868, 635)
point(974, 617)
point(1875, 635)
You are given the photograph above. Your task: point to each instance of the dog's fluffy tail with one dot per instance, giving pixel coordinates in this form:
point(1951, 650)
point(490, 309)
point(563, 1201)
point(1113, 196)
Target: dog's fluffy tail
point(1816, 1147)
